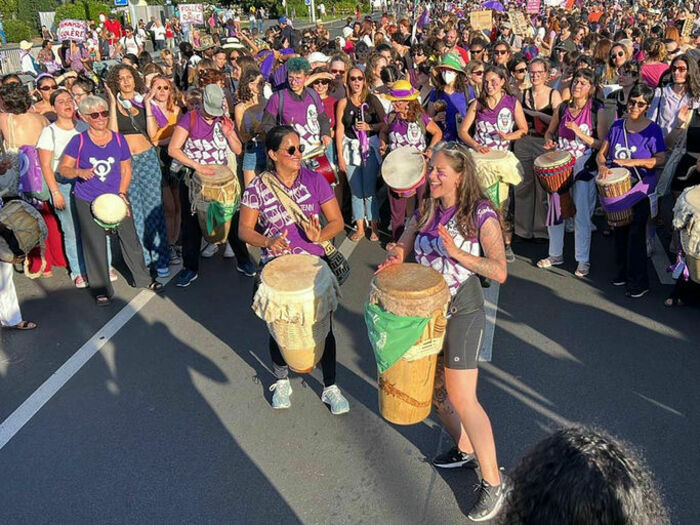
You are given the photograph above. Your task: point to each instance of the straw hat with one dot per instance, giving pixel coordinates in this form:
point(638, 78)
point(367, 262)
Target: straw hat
point(24, 45)
point(402, 90)
point(450, 61)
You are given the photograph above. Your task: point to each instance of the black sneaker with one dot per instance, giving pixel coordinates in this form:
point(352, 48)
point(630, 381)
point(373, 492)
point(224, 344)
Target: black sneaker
point(490, 500)
point(619, 281)
point(510, 256)
point(455, 458)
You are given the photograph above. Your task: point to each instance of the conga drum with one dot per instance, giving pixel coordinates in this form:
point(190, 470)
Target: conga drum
point(616, 184)
point(555, 171)
point(22, 228)
point(296, 298)
point(109, 210)
point(406, 387)
point(494, 171)
point(403, 171)
point(316, 160)
point(215, 199)
point(686, 219)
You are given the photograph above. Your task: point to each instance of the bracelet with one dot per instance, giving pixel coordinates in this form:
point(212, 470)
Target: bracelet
point(54, 192)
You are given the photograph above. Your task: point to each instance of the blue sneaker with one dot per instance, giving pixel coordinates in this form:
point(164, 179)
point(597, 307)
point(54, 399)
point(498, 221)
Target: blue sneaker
point(163, 272)
point(282, 390)
point(331, 396)
point(186, 277)
point(247, 268)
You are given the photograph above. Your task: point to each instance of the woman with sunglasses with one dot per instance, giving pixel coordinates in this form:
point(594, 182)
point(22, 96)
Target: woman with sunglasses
point(577, 124)
point(81, 88)
point(281, 234)
point(539, 104)
point(99, 161)
point(248, 114)
point(628, 77)
point(475, 77)
point(517, 67)
point(45, 86)
point(449, 232)
point(635, 143)
point(360, 112)
point(131, 114)
point(618, 57)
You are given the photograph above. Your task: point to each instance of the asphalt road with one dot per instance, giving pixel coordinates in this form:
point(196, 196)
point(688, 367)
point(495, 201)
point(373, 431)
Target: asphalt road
point(170, 421)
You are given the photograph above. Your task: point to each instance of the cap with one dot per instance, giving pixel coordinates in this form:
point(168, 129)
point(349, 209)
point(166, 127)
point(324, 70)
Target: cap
point(450, 61)
point(213, 100)
point(347, 32)
point(282, 20)
point(318, 57)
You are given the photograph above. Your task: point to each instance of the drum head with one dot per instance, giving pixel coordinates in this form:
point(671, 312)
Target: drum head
point(552, 158)
point(109, 208)
point(222, 174)
point(409, 280)
point(693, 198)
point(493, 155)
point(403, 168)
point(296, 273)
point(617, 175)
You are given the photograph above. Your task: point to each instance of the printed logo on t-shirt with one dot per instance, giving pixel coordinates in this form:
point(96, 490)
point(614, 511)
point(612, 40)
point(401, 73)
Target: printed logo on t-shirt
point(621, 152)
point(101, 167)
point(413, 133)
point(576, 146)
point(505, 120)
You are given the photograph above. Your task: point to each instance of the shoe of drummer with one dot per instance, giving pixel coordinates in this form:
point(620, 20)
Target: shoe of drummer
point(282, 390)
point(331, 396)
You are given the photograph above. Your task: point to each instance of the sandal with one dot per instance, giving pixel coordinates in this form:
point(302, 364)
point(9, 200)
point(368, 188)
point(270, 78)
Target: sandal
point(374, 237)
point(156, 287)
point(103, 300)
point(355, 237)
point(550, 261)
point(22, 325)
point(673, 301)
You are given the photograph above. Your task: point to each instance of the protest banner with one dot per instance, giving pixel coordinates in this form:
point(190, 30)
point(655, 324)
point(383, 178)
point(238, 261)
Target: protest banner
point(72, 30)
point(518, 22)
point(191, 14)
point(481, 20)
point(533, 7)
point(688, 24)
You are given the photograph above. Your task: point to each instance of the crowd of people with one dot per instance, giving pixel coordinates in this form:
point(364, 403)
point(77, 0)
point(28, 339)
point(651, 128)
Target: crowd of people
point(611, 84)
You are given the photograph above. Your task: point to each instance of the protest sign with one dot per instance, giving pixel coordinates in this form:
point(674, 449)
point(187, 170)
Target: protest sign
point(518, 22)
point(688, 25)
point(72, 30)
point(191, 14)
point(481, 20)
point(533, 7)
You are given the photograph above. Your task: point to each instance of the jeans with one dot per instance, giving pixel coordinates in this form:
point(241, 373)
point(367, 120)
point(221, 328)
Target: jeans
point(260, 26)
point(68, 218)
point(363, 182)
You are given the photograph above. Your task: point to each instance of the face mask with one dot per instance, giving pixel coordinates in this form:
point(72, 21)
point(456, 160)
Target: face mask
point(449, 76)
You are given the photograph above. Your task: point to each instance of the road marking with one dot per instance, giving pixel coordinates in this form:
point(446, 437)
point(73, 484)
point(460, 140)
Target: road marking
point(661, 262)
point(28, 409)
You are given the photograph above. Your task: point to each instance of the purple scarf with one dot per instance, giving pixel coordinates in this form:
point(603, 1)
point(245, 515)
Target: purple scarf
point(615, 204)
point(362, 135)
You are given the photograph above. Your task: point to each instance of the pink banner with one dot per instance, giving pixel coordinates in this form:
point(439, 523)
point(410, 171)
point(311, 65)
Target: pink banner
point(533, 7)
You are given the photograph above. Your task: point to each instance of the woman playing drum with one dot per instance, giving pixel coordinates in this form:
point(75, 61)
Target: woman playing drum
point(577, 123)
point(635, 143)
point(282, 235)
point(448, 233)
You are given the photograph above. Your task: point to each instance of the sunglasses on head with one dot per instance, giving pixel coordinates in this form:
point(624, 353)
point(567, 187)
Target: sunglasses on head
point(98, 114)
point(638, 103)
point(49, 88)
point(291, 150)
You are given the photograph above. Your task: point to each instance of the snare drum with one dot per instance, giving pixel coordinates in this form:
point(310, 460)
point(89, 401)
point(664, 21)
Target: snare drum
point(406, 387)
point(616, 184)
point(296, 298)
point(403, 170)
point(554, 170)
point(221, 190)
point(317, 160)
point(494, 171)
point(686, 219)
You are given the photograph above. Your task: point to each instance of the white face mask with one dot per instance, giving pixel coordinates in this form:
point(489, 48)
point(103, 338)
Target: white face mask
point(449, 76)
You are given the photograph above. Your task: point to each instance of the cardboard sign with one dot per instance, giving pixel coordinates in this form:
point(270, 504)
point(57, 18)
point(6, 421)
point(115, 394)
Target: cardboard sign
point(688, 25)
point(72, 30)
point(481, 20)
point(191, 14)
point(533, 7)
point(518, 22)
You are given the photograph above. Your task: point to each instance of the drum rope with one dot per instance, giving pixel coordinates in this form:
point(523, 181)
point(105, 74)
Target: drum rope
point(393, 391)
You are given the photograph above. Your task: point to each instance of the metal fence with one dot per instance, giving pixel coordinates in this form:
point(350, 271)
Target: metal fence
point(9, 58)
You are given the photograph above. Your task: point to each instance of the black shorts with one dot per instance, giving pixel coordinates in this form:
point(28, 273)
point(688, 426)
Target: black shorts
point(465, 326)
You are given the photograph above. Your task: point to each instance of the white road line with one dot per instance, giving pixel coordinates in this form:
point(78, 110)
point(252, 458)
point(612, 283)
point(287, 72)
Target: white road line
point(661, 262)
point(491, 306)
point(26, 411)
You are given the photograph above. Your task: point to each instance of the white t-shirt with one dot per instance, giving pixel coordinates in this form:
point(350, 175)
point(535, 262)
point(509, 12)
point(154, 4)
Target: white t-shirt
point(55, 139)
point(131, 44)
point(158, 32)
point(28, 65)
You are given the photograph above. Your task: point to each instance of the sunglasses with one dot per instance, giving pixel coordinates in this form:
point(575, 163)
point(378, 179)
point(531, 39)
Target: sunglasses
point(680, 69)
point(520, 70)
point(291, 150)
point(338, 71)
point(478, 73)
point(619, 54)
point(500, 51)
point(48, 88)
point(323, 81)
point(357, 79)
point(637, 103)
point(477, 51)
point(98, 114)
point(163, 88)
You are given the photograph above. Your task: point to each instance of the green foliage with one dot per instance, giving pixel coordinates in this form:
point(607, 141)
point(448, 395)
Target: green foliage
point(70, 11)
point(17, 30)
point(8, 8)
point(93, 8)
point(48, 5)
point(28, 10)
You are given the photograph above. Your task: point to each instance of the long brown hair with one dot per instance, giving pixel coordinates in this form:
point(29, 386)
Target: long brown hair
point(469, 193)
point(365, 85)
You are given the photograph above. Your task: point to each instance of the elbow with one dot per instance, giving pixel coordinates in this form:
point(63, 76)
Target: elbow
point(502, 276)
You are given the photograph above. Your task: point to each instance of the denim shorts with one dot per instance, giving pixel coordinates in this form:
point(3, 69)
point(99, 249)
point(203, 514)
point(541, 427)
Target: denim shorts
point(254, 159)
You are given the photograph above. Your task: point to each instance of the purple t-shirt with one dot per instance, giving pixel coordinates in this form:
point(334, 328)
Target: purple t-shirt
point(104, 159)
point(568, 140)
point(302, 114)
point(430, 251)
point(206, 142)
point(404, 133)
point(490, 121)
point(309, 191)
point(642, 145)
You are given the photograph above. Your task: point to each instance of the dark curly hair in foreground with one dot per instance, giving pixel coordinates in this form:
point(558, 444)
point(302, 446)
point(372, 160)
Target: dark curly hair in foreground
point(582, 476)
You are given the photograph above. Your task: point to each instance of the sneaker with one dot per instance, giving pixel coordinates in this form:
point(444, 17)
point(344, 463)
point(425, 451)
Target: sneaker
point(619, 281)
point(550, 261)
point(510, 256)
point(638, 294)
point(282, 390)
point(175, 258)
point(583, 269)
point(228, 252)
point(490, 500)
point(331, 396)
point(80, 282)
point(210, 250)
point(455, 458)
point(113, 275)
point(247, 268)
point(186, 277)
point(163, 272)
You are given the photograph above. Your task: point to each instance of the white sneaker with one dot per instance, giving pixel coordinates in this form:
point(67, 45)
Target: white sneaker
point(583, 269)
point(210, 250)
point(331, 396)
point(228, 252)
point(282, 390)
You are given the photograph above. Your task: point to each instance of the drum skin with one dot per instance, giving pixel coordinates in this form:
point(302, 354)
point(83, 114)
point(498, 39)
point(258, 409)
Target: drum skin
point(616, 185)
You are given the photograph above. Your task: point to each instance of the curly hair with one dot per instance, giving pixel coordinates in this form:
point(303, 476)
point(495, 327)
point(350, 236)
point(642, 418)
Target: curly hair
point(469, 193)
point(113, 78)
point(209, 76)
point(15, 98)
point(580, 476)
point(244, 93)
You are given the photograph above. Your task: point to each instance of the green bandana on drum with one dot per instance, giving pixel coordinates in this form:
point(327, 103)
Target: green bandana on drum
point(219, 213)
point(391, 335)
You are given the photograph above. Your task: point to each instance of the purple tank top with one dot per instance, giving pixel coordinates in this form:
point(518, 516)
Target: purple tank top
point(490, 121)
point(567, 139)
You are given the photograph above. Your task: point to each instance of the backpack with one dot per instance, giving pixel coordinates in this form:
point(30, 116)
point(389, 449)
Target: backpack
point(31, 178)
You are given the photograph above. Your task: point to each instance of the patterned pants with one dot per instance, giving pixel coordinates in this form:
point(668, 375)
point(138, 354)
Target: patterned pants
point(146, 196)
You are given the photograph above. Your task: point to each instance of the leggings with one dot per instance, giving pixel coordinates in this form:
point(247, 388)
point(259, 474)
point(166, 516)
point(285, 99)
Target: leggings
point(281, 369)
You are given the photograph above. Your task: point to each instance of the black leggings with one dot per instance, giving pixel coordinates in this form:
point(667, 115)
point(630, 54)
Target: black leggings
point(281, 369)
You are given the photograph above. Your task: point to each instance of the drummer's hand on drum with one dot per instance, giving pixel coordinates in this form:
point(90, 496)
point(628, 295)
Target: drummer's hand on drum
point(603, 171)
point(394, 255)
point(549, 144)
point(205, 169)
point(123, 197)
point(626, 163)
point(278, 244)
point(483, 149)
point(448, 242)
point(312, 229)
